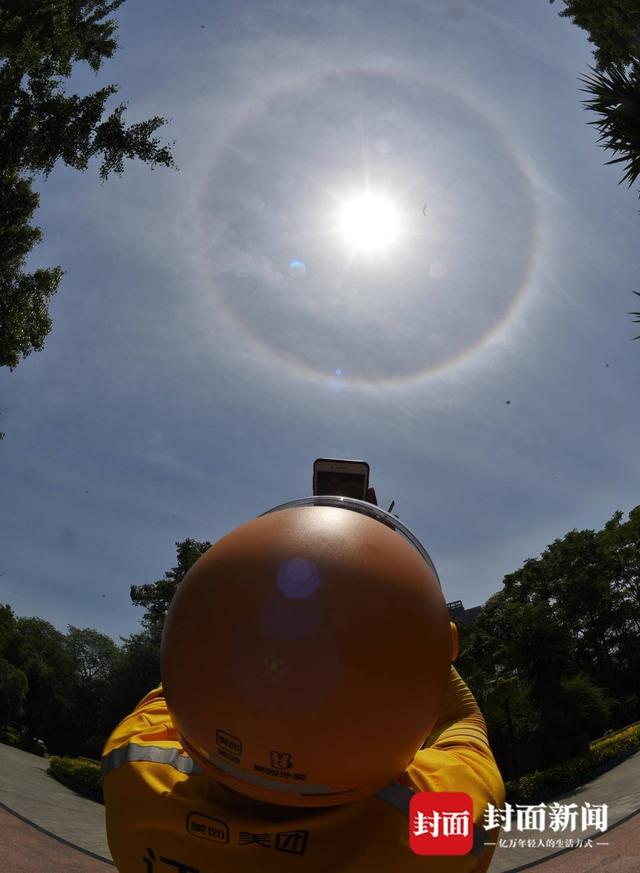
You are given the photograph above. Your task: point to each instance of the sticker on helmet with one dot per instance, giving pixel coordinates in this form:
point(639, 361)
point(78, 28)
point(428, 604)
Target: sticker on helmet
point(229, 747)
point(281, 760)
point(283, 774)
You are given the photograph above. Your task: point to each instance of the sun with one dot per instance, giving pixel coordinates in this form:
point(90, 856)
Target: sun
point(370, 223)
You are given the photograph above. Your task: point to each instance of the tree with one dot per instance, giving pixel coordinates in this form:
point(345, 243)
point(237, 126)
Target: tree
point(514, 726)
point(39, 125)
point(39, 650)
point(137, 667)
point(24, 317)
point(622, 542)
point(13, 682)
point(515, 656)
point(135, 672)
point(586, 599)
point(94, 658)
point(93, 654)
point(614, 28)
point(156, 596)
point(8, 628)
point(587, 708)
point(616, 98)
point(13, 691)
point(39, 43)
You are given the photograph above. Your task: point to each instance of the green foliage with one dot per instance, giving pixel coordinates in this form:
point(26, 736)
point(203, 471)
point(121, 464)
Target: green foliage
point(628, 735)
point(616, 98)
point(136, 668)
point(562, 635)
point(136, 672)
point(39, 125)
point(39, 651)
point(157, 596)
point(93, 654)
point(542, 785)
point(61, 31)
point(94, 657)
point(25, 742)
point(613, 27)
point(586, 708)
point(23, 296)
point(10, 737)
point(579, 578)
point(79, 774)
point(14, 686)
point(7, 628)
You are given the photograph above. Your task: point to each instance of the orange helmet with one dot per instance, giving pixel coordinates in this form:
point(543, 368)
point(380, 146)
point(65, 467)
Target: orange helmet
point(306, 654)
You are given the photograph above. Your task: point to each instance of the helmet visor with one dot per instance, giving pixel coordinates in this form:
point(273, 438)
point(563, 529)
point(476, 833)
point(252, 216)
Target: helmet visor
point(365, 508)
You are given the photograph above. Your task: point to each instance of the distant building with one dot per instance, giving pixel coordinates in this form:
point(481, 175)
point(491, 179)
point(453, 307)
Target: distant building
point(460, 615)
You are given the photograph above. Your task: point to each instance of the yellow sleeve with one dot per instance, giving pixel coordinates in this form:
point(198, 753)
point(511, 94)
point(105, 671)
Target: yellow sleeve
point(152, 695)
point(149, 721)
point(456, 757)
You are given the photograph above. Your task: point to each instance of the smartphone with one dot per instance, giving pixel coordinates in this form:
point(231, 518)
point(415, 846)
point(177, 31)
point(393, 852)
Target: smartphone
point(340, 477)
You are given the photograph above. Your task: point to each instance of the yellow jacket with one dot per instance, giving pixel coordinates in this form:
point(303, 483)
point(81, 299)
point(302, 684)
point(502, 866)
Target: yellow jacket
point(163, 813)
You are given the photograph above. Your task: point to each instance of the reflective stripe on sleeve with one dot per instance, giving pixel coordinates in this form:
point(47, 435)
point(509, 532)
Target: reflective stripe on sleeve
point(133, 752)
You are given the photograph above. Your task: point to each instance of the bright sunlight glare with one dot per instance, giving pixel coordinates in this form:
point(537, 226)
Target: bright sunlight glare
point(370, 223)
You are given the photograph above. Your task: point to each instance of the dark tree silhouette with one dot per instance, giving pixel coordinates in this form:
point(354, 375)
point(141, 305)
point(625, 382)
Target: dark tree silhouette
point(39, 125)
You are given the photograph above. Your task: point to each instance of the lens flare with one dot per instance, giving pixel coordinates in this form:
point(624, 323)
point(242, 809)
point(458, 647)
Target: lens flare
point(297, 268)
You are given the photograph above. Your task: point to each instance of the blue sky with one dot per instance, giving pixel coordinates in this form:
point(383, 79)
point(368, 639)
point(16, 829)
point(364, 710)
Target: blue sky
point(193, 375)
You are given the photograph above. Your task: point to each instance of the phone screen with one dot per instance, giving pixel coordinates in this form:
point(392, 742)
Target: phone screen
point(341, 484)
